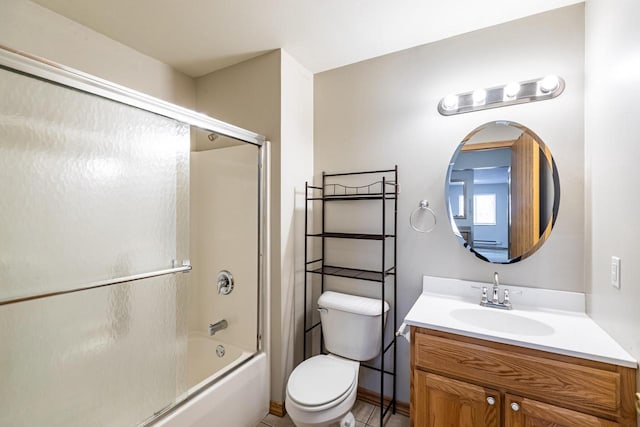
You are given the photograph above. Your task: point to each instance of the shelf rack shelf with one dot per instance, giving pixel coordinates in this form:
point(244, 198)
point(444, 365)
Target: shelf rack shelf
point(358, 236)
point(384, 190)
point(353, 197)
point(353, 273)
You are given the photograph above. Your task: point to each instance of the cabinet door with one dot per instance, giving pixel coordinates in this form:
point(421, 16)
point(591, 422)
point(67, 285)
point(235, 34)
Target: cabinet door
point(523, 412)
point(443, 402)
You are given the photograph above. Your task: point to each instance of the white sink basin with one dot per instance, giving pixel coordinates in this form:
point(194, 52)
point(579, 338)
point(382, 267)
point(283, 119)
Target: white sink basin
point(493, 319)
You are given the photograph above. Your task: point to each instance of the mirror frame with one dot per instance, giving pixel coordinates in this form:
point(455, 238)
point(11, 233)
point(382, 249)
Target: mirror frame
point(556, 192)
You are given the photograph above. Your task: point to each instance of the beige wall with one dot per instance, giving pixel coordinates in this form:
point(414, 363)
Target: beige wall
point(382, 112)
point(296, 168)
point(272, 95)
point(223, 236)
point(612, 152)
point(31, 28)
point(248, 95)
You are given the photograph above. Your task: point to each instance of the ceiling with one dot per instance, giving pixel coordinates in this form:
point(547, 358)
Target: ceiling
point(201, 36)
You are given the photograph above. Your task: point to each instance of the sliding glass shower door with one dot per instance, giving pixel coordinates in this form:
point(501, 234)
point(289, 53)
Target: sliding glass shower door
point(92, 191)
point(103, 318)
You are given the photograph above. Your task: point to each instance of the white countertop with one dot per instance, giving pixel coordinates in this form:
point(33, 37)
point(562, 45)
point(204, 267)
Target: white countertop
point(541, 319)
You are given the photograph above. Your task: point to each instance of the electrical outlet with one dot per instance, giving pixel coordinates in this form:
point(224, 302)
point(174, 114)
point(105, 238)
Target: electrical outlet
point(615, 272)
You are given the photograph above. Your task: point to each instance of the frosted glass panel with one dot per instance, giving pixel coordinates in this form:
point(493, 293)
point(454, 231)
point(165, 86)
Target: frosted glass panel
point(105, 357)
point(88, 187)
point(91, 189)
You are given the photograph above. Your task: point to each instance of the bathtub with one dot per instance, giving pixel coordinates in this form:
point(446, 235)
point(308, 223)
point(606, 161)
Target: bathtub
point(229, 391)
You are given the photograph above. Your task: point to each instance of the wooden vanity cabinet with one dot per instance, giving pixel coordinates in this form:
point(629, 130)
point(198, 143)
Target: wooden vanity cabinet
point(522, 412)
point(442, 401)
point(459, 381)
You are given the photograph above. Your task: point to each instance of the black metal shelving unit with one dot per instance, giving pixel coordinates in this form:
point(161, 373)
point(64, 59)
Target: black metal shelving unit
point(386, 191)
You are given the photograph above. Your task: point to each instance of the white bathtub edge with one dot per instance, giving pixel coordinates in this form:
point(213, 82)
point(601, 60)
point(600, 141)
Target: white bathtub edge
point(240, 399)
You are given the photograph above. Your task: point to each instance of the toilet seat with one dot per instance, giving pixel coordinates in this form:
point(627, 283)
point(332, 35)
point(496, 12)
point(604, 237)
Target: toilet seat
point(322, 381)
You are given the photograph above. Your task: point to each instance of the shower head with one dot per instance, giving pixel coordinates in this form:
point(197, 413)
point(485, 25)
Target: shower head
point(213, 136)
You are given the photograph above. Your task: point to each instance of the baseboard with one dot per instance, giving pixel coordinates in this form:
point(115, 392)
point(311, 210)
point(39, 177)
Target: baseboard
point(374, 399)
point(277, 408)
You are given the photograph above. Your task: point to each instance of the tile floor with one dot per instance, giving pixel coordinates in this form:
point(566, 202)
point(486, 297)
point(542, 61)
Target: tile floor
point(366, 414)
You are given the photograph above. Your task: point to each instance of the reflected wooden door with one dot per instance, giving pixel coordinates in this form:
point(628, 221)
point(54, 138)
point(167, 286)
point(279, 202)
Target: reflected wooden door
point(524, 232)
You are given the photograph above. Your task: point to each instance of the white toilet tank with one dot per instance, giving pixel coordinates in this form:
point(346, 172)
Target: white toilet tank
point(351, 324)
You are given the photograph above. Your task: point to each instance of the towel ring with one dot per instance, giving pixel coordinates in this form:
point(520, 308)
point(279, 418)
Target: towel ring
point(417, 221)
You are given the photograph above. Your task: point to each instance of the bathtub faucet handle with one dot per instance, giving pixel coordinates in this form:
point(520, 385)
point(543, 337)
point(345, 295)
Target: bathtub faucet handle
point(225, 282)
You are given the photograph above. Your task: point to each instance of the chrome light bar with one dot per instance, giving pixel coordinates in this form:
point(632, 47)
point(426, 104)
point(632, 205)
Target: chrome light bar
point(501, 96)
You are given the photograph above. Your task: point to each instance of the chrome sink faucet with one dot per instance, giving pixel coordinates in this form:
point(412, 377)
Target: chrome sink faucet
point(495, 302)
point(496, 288)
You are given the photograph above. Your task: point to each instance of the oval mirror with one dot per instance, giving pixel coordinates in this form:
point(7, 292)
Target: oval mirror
point(502, 192)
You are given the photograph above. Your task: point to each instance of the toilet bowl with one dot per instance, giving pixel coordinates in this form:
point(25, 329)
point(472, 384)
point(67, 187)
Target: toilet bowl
point(322, 390)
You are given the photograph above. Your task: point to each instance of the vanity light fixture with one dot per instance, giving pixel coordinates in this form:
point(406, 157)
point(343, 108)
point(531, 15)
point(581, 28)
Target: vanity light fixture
point(539, 89)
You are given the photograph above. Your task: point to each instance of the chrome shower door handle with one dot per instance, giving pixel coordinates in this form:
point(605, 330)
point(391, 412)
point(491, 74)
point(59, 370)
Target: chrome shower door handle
point(225, 282)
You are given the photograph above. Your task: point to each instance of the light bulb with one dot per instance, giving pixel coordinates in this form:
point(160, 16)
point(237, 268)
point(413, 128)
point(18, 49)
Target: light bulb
point(512, 89)
point(450, 102)
point(549, 84)
point(479, 95)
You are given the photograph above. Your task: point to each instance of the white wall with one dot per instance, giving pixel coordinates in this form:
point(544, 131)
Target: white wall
point(382, 112)
point(31, 28)
point(612, 72)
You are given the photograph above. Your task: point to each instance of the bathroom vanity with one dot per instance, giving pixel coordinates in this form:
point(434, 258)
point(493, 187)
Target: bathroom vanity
point(532, 366)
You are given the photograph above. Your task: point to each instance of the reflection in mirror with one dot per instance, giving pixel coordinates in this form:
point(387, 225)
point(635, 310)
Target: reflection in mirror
point(457, 197)
point(503, 192)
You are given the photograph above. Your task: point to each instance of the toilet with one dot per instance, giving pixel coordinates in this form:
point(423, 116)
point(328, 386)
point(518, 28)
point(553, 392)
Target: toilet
point(322, 389)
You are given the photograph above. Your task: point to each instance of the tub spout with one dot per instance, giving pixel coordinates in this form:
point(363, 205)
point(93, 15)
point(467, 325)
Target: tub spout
point(217, 327)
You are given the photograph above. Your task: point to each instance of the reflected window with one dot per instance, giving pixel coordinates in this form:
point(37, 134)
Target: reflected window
point(484, 209)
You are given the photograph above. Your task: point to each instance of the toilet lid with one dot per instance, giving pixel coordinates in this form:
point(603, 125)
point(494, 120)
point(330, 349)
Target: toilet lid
point(320, 380)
